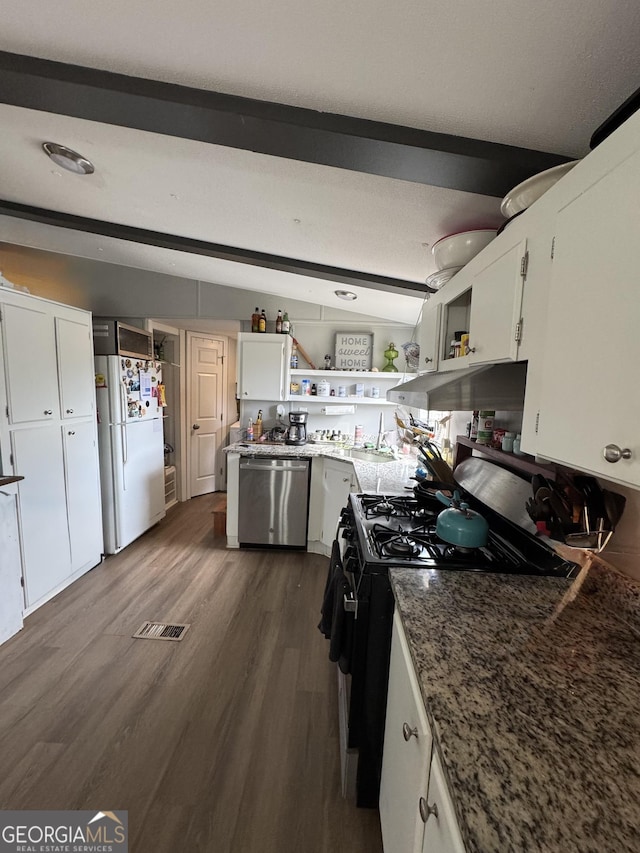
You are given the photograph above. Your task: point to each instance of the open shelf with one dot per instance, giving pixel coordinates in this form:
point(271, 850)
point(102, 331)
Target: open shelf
point(352, 374)
point(526, 464)
point(340, 401)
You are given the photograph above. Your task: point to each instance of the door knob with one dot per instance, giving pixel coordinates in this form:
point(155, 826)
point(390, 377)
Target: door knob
point(613, 453)
point(196, 426)
point(69, 411)
point(48, 411)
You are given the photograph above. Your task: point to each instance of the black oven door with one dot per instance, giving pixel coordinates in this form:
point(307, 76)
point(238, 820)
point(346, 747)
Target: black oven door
point(338, 612)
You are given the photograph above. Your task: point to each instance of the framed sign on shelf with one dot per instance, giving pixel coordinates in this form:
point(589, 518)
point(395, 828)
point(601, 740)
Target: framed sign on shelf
point(354, 350)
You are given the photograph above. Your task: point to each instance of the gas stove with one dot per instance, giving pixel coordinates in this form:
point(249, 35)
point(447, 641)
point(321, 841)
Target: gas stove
point(400, 531)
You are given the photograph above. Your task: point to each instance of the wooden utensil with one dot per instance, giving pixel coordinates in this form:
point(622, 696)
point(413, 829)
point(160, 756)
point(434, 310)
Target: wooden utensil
point(304, 354)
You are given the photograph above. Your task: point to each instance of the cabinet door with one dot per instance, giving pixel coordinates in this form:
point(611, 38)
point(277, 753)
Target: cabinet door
point(441, 833)
point(83, 494)
point(38, 457)
point(496, 303)
point(407, 750)
point(428, 338)
point(11, 597)
point(337, 482)
point(30, 363)
point(75, 368)
point(262, 368)
point(589, 392)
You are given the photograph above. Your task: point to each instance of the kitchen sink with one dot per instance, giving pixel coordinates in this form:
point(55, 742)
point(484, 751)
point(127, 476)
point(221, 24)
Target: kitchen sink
point(368, 455)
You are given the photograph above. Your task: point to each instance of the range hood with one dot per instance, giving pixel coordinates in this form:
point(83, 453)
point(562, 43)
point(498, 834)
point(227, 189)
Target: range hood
point(490, 386)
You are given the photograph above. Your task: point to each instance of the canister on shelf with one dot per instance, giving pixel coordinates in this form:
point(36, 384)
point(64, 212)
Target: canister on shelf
point(375, 391)
point(323, 388)
point(342, 390)
point(359, 389)
point(507, 442)
point(306, 387)
point(464, 344)
point(485, 426)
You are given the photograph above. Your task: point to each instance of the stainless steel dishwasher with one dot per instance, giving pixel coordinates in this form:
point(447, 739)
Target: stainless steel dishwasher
point(273, 502)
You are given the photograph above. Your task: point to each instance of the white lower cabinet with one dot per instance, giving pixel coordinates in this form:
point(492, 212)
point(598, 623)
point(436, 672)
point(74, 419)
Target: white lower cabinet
point(441, 833)
point(338, 479)
point(83, 493)
point(407, 751)
point(11, 597)
point(416, 812)
point(38, 457)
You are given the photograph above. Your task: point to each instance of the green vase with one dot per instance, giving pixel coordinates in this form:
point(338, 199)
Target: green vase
point(390, 354)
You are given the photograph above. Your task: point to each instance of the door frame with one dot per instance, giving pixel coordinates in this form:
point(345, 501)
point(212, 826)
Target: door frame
point(225, 422)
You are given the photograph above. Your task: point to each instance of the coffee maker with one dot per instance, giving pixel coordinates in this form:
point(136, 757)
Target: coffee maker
point(297, 432)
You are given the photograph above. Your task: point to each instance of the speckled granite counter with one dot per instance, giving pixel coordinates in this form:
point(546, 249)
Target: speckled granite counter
point(381, 477)
point(532, 689)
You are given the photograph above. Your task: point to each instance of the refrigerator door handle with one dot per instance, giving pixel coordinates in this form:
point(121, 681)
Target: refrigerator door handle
point(125, 448)
point(123, 402)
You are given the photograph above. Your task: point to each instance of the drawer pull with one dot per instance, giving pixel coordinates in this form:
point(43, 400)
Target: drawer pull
point(613, 453)
point(408, 732)
point(426, 810)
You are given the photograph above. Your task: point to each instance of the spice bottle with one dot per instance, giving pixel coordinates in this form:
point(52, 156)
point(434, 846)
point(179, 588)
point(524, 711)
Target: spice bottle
point(263, 322)
point(485, 426)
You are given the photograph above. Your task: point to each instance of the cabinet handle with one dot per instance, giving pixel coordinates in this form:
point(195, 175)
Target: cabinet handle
point(470, 349)
point(69, 411)
point(613, 453)
point(427, 360)
point(48, 411)
point(408, 732)
point(246, 393)
point(345, 479)
point(196, 426)
point(71, 432)
point(426, 810)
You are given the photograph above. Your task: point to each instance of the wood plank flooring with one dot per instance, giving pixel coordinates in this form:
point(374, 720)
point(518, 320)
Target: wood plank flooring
point(227, 741)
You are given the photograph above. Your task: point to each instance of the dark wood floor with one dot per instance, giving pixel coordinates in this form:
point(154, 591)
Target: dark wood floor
point(226, 741)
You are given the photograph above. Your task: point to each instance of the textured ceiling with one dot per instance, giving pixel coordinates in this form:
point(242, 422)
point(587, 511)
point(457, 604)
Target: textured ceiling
point(540, 75)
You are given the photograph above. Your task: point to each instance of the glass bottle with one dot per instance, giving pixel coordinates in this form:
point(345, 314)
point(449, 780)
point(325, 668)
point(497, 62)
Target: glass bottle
point(279, 323)
point(263, 322)
point(390, 354)
point(286, 326)
point(294, 357)
point(255, 320)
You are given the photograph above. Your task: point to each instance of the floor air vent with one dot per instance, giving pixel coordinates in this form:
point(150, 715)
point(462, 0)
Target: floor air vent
point(161, 631)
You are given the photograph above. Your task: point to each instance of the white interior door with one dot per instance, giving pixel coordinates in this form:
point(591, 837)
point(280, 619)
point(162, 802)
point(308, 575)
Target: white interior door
point(206, 396)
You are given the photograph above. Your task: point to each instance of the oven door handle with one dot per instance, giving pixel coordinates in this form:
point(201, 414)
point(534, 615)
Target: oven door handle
point(350, 603)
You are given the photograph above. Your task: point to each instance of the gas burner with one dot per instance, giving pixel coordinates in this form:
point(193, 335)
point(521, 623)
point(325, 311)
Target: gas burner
point(385, 508)
point(400, 547)
point(451, 552)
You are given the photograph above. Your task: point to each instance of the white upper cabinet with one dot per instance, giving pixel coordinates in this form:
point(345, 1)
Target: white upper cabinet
point(75, 358)
point(29, 356)
point(263, 366)
point(589, 395)
point(496, 302)
point(429, 337)
point(485, 300)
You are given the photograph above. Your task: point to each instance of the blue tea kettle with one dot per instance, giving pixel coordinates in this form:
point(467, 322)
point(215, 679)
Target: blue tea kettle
point(460, 525)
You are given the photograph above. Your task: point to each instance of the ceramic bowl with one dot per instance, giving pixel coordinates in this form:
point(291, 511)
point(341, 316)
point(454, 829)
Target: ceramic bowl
point(456, 250)
point(442, 277)
point(523, 196)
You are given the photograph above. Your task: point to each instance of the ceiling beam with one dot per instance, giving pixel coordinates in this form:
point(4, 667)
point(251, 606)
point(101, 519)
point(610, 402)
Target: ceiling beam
point(377, 148)
point(293, 266)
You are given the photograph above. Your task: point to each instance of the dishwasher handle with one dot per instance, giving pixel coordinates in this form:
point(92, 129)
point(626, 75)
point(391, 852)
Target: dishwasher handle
point(273, 464)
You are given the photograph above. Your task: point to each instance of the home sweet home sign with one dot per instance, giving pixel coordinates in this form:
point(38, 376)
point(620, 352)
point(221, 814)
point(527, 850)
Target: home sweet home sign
point(354, 350)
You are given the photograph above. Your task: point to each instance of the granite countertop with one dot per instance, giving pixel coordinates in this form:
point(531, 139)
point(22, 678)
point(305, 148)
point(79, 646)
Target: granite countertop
point(373, 477)
point(532, 689)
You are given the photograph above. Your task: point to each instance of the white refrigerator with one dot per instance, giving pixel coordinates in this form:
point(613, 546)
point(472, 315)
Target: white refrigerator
point(129, 395)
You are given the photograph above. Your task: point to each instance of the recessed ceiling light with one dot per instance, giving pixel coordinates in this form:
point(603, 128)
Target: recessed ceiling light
point(68, 159)
point(345, 294)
